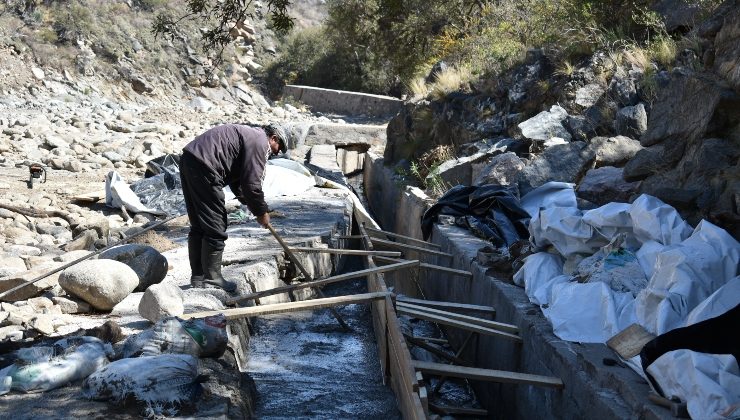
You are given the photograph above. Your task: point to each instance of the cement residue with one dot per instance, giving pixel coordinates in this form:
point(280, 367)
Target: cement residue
point(305, 366)
point(156, 241)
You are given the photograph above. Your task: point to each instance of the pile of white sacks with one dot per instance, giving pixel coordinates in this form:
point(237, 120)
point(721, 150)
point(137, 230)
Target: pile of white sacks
point(620, 264)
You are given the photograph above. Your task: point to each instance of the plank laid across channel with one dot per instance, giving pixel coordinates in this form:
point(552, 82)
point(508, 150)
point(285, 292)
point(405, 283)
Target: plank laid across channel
point(487, 374)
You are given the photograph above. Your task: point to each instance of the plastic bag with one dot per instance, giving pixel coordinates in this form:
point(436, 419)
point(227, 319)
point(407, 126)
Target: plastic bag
point(614, 265)
point(203, 337)
point(43, 368)
point(163, 191)
point(163, 383)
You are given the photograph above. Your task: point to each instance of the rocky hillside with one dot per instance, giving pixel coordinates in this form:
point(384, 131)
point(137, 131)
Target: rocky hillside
point(618, 124)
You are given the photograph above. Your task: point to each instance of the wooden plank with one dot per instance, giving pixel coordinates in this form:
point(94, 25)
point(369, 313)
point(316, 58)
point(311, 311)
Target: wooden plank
point(321, 282)
point(347, 237)
point(91, 197)
point(432, 339)
point(345, 251)
point(278, 308)
point(629, 342)
point(432, 267)
point(490, 375)
point(448, 305)
point(420, 250)
point(431, 349)
point(447, 410)
point(408, 238)
point(464, 318)
point(457, 324)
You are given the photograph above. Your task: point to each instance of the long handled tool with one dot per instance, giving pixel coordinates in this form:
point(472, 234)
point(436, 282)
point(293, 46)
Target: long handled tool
point(306, 276)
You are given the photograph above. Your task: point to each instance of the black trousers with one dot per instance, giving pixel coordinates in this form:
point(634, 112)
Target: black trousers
point(204, 201)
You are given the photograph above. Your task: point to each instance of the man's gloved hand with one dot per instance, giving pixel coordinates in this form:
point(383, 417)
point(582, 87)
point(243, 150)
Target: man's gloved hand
point(264, 220)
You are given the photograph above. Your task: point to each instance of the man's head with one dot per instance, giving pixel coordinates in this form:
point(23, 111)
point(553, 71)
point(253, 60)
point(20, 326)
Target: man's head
point(278, 137)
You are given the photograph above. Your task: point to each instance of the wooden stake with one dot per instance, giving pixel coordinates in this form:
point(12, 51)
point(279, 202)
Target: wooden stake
point(461, 273)
point(464, 318)
point(279, 308)
point(448, 305)
point(345, 251)
point(408, 238)
point(322, 282)
point(447, 410)
point(435, 350)
point(458, 324)
point(491, 375)
point(392, 244)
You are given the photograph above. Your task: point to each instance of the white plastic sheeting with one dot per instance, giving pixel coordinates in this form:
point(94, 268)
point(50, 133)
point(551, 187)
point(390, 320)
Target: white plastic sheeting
point(687, 270)
point(686, 274)
point(282, 179)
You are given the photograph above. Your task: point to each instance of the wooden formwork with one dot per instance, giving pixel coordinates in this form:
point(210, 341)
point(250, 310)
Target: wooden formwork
point(395, 359)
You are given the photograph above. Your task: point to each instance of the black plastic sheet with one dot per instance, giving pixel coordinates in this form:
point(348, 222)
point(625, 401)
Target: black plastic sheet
point(491, 212)
point(162, 191)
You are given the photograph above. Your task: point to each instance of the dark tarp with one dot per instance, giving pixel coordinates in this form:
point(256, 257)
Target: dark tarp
point(491, 212)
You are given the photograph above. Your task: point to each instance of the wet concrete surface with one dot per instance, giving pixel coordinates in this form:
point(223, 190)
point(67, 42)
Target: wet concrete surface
point(305, 365)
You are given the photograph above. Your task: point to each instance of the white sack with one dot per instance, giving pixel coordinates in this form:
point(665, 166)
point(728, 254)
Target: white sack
point(709, 383)
point(542, 295)
point(721, 301)
point(685, 275)
point(611, 220)
point(537, 270)
point(653, 220)
point(551, 194)
point(118, 194)
point(647, 254)
point(281, 181)
point(586, 313)
point(564, 228)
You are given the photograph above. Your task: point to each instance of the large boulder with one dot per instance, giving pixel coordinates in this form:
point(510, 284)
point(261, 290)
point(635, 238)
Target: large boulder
point(501, 170)
point(631, 121)
point(546, 125)
point(160, 301)
point(101, 283)
point(727, 45)
point(148, 264)
point(564, 162)
point(605, 185)
point(30, 290)
point(613, 151)
point(457, 171)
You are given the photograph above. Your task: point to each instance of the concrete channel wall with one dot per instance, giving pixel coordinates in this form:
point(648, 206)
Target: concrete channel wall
point(592, 388)
point(344, 102)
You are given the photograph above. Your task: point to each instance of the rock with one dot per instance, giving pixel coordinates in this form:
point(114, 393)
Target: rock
point(161, 300)
point(150, 266)
point(683, 109)
point(502, 170)
point(11, 333)
point(72, 165)
point(101, 283)
point(613, 151)
point(727, 45)
point(112, 156)
point(71, 256)
point(38, 73)
point(140, 85)
point(646, 162)
point(71, 306)
point(30, 290)
point(55, 142)
point(545, 125)
point(43, 324)
point(456, 171)
point(22, 251)
point(677, 14)
point(589, 94)
point(82, 242)
point(11, 265)
point(631, 121)
point(579, 127)
point(201, 104)
point(565, 163)
point(622, 88)
point(40, 303)
point(604, 185)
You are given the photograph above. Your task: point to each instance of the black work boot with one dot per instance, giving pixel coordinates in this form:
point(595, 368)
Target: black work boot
point(195, 255)
point(212, 268)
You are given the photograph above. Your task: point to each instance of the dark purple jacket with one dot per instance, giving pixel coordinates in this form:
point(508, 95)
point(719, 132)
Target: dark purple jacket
point(238, 155)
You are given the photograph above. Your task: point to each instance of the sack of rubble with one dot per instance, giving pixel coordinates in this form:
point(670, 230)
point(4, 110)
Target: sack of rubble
point(203, 337)
point(162, 383)
point(41, 368)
